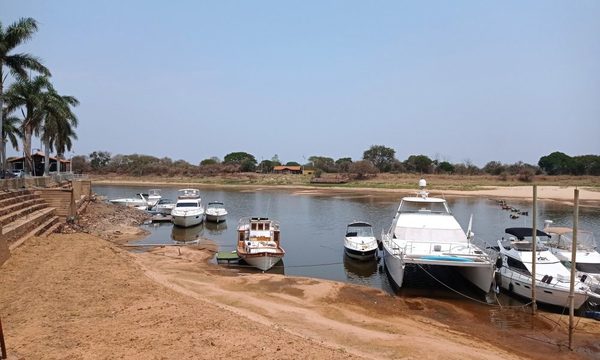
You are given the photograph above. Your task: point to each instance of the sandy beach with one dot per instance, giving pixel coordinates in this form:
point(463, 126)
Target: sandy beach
point(83, 296)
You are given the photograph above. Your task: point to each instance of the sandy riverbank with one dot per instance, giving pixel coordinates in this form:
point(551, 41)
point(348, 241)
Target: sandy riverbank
point(79, 296)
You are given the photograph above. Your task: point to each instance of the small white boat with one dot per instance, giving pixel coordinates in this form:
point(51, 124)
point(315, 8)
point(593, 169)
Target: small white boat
point(425, 233)
point(587, 257)
point(139, 201)
point(164, 206)
point(359, 242)
point(552, 279)
point(258, 242)
point(188, 210)
point(153, 197)
point(215, 212)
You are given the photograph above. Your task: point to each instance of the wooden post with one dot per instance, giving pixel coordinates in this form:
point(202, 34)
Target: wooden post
point(573, 269)
point(2, 344)
point(533, 250)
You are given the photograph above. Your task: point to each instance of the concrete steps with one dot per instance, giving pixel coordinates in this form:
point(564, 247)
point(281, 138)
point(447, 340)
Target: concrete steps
point(24, 214)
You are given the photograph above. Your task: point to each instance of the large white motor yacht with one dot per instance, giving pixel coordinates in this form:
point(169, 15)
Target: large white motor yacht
point(188, 210)
point(552, 279)
point(424, 233)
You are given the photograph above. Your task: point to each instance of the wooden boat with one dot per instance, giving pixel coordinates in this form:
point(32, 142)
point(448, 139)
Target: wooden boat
point(258, 242)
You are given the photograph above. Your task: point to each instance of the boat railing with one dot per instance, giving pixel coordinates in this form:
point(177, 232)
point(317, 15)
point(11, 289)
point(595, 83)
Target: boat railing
point(446, 248)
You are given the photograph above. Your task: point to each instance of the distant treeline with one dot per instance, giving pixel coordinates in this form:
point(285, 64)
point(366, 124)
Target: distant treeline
point(376, 159)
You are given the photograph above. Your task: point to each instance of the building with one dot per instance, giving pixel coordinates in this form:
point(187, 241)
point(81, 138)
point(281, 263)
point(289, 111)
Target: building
point(18, 163)
point(282, 169)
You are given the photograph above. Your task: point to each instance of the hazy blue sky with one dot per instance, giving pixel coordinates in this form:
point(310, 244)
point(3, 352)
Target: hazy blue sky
point(454, 80)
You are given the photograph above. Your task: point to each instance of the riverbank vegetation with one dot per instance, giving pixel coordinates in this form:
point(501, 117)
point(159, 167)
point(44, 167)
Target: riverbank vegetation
point(377, 169)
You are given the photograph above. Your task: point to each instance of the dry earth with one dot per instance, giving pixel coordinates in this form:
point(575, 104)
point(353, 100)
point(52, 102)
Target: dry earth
point(78, 296)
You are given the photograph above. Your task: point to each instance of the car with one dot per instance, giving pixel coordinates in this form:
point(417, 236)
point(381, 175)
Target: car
point(18, 173)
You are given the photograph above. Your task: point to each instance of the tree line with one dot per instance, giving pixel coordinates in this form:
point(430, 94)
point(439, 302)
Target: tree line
point(31, 105)
point(376, 159)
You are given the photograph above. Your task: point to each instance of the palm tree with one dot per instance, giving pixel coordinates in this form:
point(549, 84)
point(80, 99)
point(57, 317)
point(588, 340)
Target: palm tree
point(29, 95)
point(58, 123)
point(10, 128)
point(17, 64)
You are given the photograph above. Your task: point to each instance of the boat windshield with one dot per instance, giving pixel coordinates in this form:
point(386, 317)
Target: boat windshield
point(186, 204)
point(588, 268)
point(424, 207)
point(362, 231)
point(585, 240)
point(216, 205)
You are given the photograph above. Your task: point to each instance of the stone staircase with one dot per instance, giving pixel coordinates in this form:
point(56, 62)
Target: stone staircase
point(23, 215)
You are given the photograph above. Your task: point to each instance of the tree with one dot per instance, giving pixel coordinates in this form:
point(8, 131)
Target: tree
point(363, 168)
point(210, 161)
point(10, 129)
point(266, 166)
point(557, 163)
point(238, 158)
point(292, 163)
point(323, 163)
point(494, 168)
point(380, 156)
point(17, 64)
point(343, 164)
point(99, 159)
point(445, 167)
point(418, 163)
point(79, 164)
point(58, 125)
point(29, 94)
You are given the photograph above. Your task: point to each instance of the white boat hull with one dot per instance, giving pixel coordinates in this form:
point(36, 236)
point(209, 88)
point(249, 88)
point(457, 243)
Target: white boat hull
point(394, 265)
point(264, 261)
point(216, 217)
point(130, 202)
point(187, 220)
point(545, 293)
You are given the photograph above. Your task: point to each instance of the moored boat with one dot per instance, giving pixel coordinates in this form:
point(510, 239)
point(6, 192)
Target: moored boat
point(216, 212)
point(140, 201)
point(359, 241)
point(188, 210)
point(258, 242)
point(424, 233)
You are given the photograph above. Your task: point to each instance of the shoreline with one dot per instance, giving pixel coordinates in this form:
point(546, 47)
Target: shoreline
point(562, 194)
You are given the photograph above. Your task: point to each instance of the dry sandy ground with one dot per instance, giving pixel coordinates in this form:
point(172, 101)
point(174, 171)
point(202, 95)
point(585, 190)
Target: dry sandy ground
point(77, 296)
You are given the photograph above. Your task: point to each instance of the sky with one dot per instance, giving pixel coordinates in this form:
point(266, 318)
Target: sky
point(459, 81)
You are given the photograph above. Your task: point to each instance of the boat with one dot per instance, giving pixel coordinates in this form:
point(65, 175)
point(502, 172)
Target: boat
point(552, 279)
point(164, 206)
point(425, 234)
point(258, 242)
point(140, 202)
point(153, 197)
point(215, 212)
point(587, 257)
point(359, 242)
point(188, 210)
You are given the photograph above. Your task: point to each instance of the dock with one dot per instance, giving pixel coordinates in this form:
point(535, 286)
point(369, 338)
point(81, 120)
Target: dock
point(228, 256)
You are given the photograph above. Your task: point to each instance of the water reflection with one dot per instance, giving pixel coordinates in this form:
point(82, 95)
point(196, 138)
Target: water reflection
point(189, 234)
point(360, 271)
point(215, 228)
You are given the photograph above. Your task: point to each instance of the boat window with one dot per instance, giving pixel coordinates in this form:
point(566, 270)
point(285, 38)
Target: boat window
point(423, 207)
point(517, 265)
point(261, 226)
point(588, 267)
point(267, 227)
point(363, 231)
point(253, 226)
point(186, 204)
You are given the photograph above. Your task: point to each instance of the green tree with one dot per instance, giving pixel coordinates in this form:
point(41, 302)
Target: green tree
point(210, 161)
point(382, 157)
point(557, 163)
point(292, 163)
point(11, 129)
point(418, 163)
point(363, 168)
point(238, 158)
point(445, 167)
point(99, 159)
point(17, 64)
point(343, 164)
point(29, 94)
point(266, 166)
point(323, 163)
point(494, 168)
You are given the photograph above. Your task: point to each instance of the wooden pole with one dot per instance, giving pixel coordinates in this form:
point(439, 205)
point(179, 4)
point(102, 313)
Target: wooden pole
point(2, 344)
point(533, 250)
point(573, 269)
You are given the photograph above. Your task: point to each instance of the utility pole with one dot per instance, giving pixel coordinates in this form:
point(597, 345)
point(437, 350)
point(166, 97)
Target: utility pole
point(573, 269)
point(533, 250)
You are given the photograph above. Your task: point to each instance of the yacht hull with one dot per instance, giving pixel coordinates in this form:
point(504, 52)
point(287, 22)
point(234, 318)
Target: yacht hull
point(545, 293)
point(362, 255)
point(215, 217)
point(187, 220)
point(394, 265)
point(262, 261)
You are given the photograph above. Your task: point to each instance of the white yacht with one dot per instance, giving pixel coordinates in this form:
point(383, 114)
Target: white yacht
point(552, 279)
point(140, 202)
point(188, 210)
point(359, 242)
point(164, 206)
point(216, 212)
point(153, 197)
point(587, 257)
point(424, 233)
point(258, 242)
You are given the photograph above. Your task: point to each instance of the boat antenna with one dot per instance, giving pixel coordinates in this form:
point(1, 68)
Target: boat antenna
point(422, 185)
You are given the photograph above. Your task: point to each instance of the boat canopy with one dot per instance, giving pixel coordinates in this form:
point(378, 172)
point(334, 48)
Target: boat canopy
point(361, 229)
point(420, 205)
point(562, 238)
point(359, 224)
point(523, 232)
